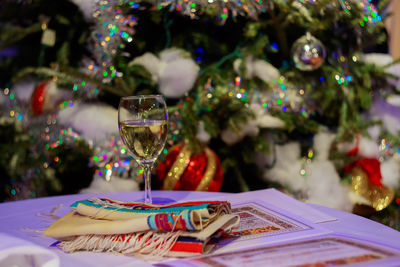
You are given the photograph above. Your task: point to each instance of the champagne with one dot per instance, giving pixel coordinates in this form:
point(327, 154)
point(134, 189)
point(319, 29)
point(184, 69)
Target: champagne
point(145, 139)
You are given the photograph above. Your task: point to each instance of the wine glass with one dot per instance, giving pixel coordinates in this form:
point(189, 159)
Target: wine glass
point(143, 125)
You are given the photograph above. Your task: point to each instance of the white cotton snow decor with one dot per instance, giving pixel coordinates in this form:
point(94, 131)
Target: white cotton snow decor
point(257, 68)
point(202, 134)
point(252, 127)
point(174, 71)
point(321, 183)
point(95, 122)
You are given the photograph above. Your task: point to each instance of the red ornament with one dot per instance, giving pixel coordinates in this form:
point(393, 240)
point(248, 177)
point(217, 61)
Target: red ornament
point(46, 97)
point(182, 170)
point(372, 167)
point(38, 98)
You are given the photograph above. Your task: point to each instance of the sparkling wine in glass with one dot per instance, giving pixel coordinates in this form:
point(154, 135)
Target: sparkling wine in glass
point(143, 125)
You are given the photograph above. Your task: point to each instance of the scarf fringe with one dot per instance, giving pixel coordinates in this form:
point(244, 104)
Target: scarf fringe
point(52, 215)
point(150, 245)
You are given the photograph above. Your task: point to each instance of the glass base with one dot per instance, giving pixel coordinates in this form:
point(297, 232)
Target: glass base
point(159, 200)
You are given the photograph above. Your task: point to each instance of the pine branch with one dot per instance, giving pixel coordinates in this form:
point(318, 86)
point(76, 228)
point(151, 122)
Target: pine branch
point(70, 76)
point(279, 31)
point(12, 34)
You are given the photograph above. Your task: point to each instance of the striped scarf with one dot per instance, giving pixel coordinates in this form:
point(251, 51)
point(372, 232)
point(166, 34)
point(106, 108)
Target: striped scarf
point(131, 228)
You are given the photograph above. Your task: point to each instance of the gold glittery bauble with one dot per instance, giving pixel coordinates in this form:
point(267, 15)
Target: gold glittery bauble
point(377, 196)
point(177, 168)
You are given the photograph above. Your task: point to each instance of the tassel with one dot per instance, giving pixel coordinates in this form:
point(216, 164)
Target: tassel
point(151, 244)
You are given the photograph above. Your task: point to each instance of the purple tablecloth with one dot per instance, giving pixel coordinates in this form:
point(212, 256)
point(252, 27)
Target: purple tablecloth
point(16, 218)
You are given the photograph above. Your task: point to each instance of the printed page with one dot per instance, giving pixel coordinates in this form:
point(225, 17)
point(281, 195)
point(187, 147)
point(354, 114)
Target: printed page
point(262, 223)
point(285, 202)
point(329, 250)
point(280, 200)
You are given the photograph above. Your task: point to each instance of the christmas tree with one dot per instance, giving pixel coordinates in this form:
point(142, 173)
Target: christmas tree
point(297, 95)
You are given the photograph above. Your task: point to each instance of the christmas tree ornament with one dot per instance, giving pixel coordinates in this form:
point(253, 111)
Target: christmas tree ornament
point(48, 35)
point(38, 100)
point(46, 97)
point(308, 53)
point(183, 170)
point(366, 184)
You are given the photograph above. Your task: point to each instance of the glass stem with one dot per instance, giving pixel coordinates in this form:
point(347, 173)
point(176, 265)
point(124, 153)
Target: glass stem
point(147, 183)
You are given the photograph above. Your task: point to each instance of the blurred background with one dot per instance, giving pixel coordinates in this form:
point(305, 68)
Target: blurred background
point(298, 95)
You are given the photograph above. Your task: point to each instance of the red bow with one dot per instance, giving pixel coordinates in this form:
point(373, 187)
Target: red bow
point(372, 167)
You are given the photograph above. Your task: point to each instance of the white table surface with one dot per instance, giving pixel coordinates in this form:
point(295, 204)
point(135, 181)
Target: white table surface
point(16, 217)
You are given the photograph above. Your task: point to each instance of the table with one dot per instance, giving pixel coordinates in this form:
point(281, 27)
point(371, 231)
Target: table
point(16, 216)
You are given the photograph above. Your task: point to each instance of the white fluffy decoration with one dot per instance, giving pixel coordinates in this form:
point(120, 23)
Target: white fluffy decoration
point(172, 54)
point(86, 7)
point(287, 167)
point(367, 148)
point(95, 122)
point(394, 100)
point(322, 145)
point(322, 183)
point(390, 123)
point(174, 71)
point(302, 10)
point(23, 90)
point(257, 68)
point(374, 132)
point(54, 96)
point(390, 170)
point(202, 134)
point(178, 77)
point(264, 119)
point(3, 99)
point(150, 62)
point(380, 59)
point(265, 160)
point(325, 187)
point(230, 137)
point(252, 127)
point(116, 184)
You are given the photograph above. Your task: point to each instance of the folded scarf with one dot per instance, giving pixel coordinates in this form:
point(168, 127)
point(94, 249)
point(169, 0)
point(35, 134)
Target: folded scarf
point(181, 229)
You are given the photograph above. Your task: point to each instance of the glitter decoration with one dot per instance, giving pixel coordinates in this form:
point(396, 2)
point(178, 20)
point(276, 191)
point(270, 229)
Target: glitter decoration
point(208, 90)
point(284, 97)
point(308, 53)
point(112, 160)
point(224, 8)
point(371, 15)
point(43, 135)
point(306, 163)
point(112, 29)
point(388, 150)
point(237, 90)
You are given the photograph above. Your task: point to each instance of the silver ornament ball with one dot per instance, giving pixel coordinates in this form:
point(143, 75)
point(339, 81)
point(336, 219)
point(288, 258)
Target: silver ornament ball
point(308, 53)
